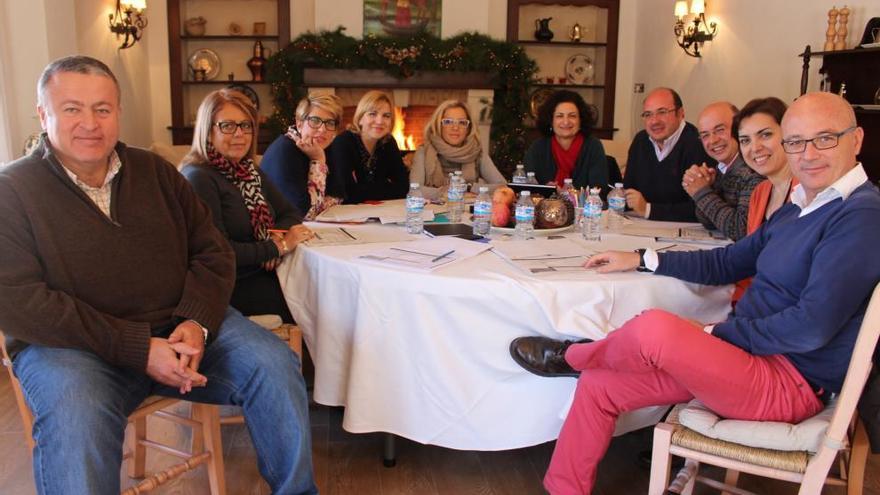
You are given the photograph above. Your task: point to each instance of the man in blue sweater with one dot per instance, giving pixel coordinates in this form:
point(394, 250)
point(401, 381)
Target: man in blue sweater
point(658, 158)
point(786, 347)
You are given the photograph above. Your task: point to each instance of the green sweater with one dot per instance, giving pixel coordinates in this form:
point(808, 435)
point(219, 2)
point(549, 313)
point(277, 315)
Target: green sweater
point(72, 277)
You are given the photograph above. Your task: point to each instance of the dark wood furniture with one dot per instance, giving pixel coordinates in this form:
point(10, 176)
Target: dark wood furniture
point(183, 86)
point(601, 43)
point(859, 68)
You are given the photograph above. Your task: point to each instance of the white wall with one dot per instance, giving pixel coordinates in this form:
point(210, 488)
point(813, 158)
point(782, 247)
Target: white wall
point(753, 55)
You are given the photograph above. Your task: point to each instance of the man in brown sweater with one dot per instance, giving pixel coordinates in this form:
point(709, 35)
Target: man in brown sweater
point(114, 285)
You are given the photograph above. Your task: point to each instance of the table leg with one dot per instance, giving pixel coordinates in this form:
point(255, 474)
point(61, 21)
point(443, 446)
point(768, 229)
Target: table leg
point(389, 458)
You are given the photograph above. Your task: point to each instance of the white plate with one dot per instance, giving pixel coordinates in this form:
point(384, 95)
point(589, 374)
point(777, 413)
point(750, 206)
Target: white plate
point(205, 59)
point(579, 69)
point(538, 232)
point(871, 45)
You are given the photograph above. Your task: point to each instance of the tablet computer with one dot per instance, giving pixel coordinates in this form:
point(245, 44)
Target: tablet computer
point(534, 189)
point(441, 229)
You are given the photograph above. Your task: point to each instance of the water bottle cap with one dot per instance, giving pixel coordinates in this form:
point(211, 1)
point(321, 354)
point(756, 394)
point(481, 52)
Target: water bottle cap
point(458, 172)
point(413, 184)
point(595, 190)
point(618, 184)
point(567, 180)
point(530, 173)
point(520, 165)
point(525, 193)
point(484, 189)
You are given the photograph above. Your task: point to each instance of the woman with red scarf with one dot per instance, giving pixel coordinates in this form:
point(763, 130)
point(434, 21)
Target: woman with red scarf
point(260, 224)
point(567, 149)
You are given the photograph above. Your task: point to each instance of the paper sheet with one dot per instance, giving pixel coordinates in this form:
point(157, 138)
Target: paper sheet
point(425, 255)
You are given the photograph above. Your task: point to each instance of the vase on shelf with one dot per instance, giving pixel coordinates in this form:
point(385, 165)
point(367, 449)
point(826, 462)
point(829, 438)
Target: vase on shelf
point(542, 29)
point(257, 63)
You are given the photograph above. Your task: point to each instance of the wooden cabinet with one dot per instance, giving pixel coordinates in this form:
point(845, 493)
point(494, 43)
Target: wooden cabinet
point(233, 51)
point(559, 57)
point(859, 69)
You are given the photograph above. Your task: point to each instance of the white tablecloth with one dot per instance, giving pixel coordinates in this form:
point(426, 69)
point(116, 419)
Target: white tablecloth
point(425, 356)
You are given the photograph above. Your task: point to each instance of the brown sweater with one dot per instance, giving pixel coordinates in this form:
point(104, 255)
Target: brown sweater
point(72, 277)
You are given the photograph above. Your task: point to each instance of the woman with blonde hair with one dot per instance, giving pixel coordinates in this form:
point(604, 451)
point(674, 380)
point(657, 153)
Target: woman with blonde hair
point(244, 205)
point(297, 163)
point(375, 166)
point(452, 143)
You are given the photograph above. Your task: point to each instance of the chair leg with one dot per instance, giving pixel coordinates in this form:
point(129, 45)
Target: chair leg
point(660, 459)
point(730, 478)
point(857, 458)
point(209, 416)
point(137, 462)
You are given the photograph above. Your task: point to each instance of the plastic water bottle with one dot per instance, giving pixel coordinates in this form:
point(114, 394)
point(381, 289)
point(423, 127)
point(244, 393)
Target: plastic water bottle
point(525, 217)
point(482, 212)
point(530, 178)
point(415, 203)
point(616, 207)
point(592, 216)
point(454, 198)
point(519, 176)
point(567, 191)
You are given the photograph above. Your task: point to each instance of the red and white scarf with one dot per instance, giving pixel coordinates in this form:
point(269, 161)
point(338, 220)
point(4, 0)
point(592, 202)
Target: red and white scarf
point(245, 177)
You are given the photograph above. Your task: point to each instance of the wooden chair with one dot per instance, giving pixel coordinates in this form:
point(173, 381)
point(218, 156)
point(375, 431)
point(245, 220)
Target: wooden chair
point(206, 445)
point(284, 331)
point(844, 438)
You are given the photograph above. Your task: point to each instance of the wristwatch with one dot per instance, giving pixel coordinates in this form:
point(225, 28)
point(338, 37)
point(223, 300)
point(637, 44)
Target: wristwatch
point(642, 267)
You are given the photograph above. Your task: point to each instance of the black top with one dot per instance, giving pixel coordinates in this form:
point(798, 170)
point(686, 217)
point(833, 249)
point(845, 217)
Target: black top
point(288, 169)
point(381, 175)
point(232, 218)
point(660, 182)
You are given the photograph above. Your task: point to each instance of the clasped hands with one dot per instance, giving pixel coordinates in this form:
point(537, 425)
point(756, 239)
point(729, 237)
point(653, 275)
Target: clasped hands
point(286, 243)
point(698, 177)
point(175, 361)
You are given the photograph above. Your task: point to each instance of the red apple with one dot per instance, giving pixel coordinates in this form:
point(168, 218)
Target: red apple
point(504, 195)
point(500, 214)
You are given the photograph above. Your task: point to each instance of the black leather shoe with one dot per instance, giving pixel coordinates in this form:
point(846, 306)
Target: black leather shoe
point(543, 356)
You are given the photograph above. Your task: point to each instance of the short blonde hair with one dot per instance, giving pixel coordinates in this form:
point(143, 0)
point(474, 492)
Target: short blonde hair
point(370, 102)
point(328, 102)
point(208, 109)
point(434, 125)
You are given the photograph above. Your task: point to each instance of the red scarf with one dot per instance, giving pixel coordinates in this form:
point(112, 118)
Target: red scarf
point(565, 159)
point(246, 178)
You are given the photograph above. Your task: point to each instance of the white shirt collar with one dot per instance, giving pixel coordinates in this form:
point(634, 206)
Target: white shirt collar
point(722, 167)
point(841, 188)
point(668, 144)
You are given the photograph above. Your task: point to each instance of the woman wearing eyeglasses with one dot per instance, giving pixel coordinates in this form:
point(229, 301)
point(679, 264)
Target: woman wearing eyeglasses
point(758, 129)
point(297, 163)
point(375, 169)
point(567, 148)
point(244, 205)
point(451, 143)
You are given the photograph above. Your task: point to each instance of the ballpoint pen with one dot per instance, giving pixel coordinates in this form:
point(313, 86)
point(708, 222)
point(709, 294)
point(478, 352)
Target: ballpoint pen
point(438, 258)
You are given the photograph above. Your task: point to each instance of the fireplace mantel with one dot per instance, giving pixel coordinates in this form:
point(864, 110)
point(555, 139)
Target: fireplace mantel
point(367, 78)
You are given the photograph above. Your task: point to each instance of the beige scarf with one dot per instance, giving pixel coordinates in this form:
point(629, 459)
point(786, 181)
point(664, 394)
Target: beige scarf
point(468, 154)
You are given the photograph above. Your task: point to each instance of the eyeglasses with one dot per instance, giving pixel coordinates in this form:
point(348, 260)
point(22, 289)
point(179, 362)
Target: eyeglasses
point(317, 122)
point(452, 122)
point(820, 142)
point(229, 127)
point(661, 112)
point(720, 131)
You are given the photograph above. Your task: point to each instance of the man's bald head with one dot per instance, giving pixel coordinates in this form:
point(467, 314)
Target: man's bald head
point(714, 125)
point(830, 118)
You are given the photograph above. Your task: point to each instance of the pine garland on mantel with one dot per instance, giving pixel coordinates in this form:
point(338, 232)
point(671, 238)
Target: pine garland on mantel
point(511, 71)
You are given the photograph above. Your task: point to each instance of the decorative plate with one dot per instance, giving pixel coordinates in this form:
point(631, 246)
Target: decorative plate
point(205, 59)
point(579, 69)
point(247, 91)
point(539, 96)
point(538, 232)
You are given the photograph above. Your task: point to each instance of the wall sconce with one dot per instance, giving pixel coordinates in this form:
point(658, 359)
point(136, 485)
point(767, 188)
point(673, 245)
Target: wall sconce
point(691, 37)
point(128, 21)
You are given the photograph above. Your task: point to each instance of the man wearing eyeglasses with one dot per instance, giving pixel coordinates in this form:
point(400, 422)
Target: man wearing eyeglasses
point(658, 158)
point(114, 286)
point(721, 194)
point(785, 348)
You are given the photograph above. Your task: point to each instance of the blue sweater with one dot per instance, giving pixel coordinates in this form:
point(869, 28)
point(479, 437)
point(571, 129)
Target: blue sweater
point(813, 277)
point(288, 169)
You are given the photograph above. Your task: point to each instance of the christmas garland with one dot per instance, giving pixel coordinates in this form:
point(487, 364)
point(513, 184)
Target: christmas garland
point(511, 71)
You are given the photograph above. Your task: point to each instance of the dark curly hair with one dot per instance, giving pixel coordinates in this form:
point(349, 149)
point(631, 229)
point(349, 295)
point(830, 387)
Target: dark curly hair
point(772, 106)
point(587, 113)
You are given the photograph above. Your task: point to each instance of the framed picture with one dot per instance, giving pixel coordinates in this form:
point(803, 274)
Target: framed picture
point(401, 17)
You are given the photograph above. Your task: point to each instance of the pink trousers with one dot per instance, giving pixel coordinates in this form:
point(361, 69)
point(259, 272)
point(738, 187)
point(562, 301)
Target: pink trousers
point(658, 358)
